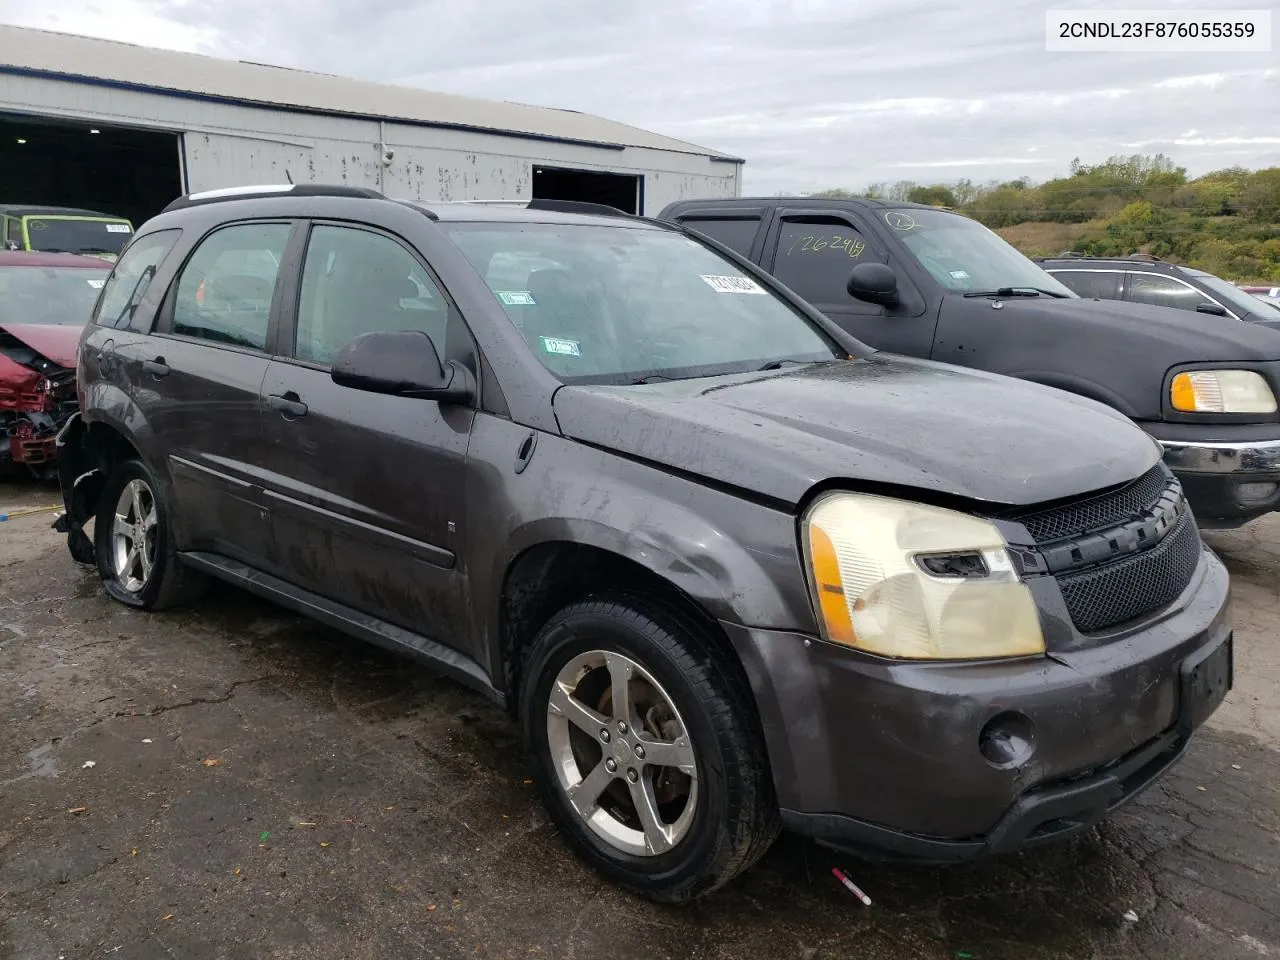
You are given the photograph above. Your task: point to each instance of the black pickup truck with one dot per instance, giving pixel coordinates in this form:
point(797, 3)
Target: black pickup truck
point(927, 282)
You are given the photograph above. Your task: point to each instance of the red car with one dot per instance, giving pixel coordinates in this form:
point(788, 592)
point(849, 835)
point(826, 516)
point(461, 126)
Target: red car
point(45, 299)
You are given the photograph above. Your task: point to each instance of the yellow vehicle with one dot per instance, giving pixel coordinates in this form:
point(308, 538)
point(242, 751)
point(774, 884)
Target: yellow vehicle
point(63, 230)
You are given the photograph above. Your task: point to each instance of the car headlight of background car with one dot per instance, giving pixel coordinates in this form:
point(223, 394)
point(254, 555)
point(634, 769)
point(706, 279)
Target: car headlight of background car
point(911, 581)
point(1221, 391)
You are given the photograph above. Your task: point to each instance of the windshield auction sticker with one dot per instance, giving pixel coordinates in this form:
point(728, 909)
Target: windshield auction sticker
point(561, 347)
point(732, 284)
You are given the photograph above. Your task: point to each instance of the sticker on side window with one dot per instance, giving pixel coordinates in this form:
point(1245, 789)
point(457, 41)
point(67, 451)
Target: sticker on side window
point(118, 228)
point(96, 284)
point(516, 298)
point(563, 348)
point(732, 284)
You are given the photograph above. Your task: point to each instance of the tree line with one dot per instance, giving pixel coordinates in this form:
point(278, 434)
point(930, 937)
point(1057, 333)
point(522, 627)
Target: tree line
point(1226, 222)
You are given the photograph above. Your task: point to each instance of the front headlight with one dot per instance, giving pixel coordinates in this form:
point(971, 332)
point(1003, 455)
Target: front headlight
point(1221, 391)
point(902, 579)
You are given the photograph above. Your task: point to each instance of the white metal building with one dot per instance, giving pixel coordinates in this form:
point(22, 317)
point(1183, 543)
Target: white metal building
point(124, 129)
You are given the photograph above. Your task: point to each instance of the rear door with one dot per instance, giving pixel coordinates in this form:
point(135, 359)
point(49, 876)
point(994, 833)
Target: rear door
point(814, 251)
point(366, 490)
point(738, 228)
point(1090, 283)
point(198, 382)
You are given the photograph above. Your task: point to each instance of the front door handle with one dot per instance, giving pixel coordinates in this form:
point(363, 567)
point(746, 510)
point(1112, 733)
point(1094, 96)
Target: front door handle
point(157, 367)
point(289, 404)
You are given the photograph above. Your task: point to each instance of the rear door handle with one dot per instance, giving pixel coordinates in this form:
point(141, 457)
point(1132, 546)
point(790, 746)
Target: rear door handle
point(289, 405)
point(157, 367)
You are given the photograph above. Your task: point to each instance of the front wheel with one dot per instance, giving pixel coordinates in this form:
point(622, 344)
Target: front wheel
point(133, 541)
point(645, 749)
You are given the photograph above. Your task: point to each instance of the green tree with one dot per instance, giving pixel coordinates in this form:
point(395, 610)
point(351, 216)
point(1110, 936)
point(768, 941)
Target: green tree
point(938, 195)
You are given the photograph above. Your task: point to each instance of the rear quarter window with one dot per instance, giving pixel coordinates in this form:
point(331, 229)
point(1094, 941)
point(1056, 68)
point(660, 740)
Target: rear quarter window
point(131, 277)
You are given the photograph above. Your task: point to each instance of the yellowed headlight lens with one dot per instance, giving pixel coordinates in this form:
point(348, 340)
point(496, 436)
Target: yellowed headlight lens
point(872, 593)
point(1221, 391)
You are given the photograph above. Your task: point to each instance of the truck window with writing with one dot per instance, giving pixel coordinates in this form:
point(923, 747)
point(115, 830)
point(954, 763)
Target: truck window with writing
point(814, 258)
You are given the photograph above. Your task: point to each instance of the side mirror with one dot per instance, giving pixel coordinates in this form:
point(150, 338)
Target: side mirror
point(1213, 308)
point(874, 283)
point(402, 363)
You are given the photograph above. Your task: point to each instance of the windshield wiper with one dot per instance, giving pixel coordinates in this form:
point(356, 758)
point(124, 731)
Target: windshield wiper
point(652, 378)
point(777, 364)
point(93, 250)
point(1015, 292)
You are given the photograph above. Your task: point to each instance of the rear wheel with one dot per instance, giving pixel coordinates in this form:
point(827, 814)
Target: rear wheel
point(645, 749)
point(133, 540)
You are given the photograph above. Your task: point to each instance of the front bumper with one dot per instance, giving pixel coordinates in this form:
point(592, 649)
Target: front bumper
point(1227, 482)
point(887, 757)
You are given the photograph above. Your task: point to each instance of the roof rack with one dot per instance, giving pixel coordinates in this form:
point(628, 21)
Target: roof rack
point(250, 191)
point(578, 206)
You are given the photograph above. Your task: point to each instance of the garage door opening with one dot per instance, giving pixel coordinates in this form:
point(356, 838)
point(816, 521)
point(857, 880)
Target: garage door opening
point(121, 172)
point(591, 186)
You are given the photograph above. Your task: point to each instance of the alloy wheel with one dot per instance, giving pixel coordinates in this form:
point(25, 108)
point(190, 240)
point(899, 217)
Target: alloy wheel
point(133, 536)
point(622, 753)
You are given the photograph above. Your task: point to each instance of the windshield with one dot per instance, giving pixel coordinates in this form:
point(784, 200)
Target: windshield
point(49, 295)
point(1235, 298)
point(72, 235)
point(963, 255)
point(608, 304)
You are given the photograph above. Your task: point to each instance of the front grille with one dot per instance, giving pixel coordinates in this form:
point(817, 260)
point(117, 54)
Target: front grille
point(1095, 513)
point(1126, 589)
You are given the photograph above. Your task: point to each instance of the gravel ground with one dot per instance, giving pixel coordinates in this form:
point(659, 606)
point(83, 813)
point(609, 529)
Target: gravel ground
point(261, 786)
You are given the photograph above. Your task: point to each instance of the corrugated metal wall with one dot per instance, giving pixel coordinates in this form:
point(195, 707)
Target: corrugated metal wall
point(228, 144)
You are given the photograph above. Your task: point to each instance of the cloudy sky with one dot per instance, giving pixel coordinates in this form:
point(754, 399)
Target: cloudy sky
point(813, 93)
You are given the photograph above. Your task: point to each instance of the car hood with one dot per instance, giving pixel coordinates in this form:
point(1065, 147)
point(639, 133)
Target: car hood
point(882, 420)
point(57, 342)
point(1187, 335)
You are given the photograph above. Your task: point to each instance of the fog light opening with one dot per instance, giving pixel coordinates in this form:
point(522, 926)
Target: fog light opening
point(1008, 740)
point(1255, 492)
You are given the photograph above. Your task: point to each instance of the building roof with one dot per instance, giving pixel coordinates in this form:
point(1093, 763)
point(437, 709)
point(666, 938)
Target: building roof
point(90, 60)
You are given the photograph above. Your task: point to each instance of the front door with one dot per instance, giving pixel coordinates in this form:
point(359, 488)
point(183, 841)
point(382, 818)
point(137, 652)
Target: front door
point(814, 252)
point(366, 490)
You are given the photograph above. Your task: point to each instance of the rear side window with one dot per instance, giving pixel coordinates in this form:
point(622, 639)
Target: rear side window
point(225, 290)
point(736, 234)
point(128, 282)
point(1103, 284)
point(815, 257)
point(354, 282)
point(1164, 292)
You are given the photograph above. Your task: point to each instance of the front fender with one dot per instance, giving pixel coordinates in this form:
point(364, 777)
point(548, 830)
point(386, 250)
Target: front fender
point(738, 559)
point(1081, 388)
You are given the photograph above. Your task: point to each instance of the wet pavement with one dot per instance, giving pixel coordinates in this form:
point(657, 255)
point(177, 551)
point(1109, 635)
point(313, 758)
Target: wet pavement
point(232, 781)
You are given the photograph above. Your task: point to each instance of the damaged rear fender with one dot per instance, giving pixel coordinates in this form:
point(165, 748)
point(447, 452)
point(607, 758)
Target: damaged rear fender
point(88, 451)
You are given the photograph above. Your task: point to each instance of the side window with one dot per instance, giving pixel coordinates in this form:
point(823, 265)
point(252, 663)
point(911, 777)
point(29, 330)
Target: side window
point(736, 234)
point(355, 281)
point(1164, 292)
point(1103, 284)
point(131, 277)
point(814, 258)
point(224, 292)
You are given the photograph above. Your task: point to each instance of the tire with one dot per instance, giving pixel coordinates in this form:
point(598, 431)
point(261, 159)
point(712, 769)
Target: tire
point(162, 581)
point(733, 819)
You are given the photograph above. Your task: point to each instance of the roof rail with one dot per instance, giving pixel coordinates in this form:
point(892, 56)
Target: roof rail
point(578, 206)
point(1069, 255)
point(249, 191)
point(1149, 258)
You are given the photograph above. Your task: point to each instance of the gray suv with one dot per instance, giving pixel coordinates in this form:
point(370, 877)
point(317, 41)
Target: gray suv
point(730, 568)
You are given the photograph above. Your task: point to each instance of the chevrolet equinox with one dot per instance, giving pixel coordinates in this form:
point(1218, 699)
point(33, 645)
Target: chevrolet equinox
point(731, 569)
